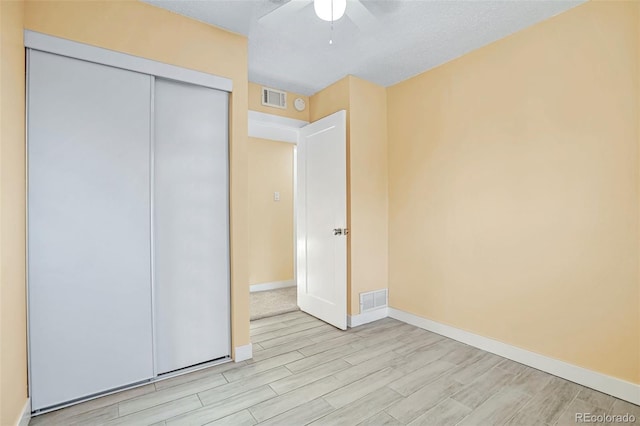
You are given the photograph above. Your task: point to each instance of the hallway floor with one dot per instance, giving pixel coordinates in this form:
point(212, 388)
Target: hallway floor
point(383, 373)
point(273, 302)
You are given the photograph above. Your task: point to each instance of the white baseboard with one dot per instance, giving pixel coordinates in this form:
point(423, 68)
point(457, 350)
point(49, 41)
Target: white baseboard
point(367, 317)
point(272, 285)
point(243, 353)
point(598, 381)
point(26, 414)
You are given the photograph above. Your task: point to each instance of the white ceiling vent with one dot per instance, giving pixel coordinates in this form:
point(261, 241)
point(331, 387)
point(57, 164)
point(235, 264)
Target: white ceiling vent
point(274, 98)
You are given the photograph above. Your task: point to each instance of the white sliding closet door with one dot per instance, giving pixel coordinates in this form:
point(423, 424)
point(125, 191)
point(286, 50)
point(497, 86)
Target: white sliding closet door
point(90, 324)
point(191, 230)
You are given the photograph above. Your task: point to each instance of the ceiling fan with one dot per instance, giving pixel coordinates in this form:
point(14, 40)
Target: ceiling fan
point(327, 10)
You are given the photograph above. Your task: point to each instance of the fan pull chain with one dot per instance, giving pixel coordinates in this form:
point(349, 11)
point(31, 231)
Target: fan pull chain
point(331, 36)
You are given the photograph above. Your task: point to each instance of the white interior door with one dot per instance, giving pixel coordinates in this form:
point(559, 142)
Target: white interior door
point(321, 219)
point(90, 326)
point(191, 225)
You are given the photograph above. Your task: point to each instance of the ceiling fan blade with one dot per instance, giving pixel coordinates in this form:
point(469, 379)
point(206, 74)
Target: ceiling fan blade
point(360, 15)
point(284, 13)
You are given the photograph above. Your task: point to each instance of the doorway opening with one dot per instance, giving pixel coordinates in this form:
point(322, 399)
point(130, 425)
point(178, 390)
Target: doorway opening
point(304, 233)
point(271, 228)
point(271, 182)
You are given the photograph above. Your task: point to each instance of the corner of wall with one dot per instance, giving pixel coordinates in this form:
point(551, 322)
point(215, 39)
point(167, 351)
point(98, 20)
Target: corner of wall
point(369, 196)
point(13, 321)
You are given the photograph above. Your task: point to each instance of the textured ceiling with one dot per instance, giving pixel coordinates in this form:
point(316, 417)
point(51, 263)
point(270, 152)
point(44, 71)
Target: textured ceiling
point(291, 51)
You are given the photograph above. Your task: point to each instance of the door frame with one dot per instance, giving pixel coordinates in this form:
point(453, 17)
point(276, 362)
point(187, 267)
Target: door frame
point(281, 129)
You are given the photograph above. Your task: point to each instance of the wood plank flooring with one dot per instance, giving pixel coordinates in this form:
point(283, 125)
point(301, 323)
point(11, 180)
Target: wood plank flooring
point(384, 373)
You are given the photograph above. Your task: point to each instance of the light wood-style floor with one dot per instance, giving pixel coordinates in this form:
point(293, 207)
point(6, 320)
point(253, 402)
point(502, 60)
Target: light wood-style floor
point(383, 373)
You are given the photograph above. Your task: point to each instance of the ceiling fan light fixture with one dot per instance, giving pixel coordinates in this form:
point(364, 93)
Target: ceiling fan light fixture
point(330, 10)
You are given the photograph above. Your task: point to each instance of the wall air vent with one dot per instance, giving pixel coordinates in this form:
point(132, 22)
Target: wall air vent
point(274, 98)
point(373, 300)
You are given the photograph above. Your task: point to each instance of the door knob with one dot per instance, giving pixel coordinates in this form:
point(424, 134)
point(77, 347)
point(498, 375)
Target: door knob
point(341, 231)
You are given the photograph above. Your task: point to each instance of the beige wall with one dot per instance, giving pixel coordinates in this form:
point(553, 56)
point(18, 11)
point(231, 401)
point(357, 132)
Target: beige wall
point(13, 334)
point(513, 176)
point(140, 29)
point(329, 100)
point(369, 189)
point(255, 103)
point(270, 222)
point(367, 199)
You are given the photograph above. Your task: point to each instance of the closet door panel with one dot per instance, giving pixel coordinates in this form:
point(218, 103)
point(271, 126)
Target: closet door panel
point(89, 273)
point(191, 233)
